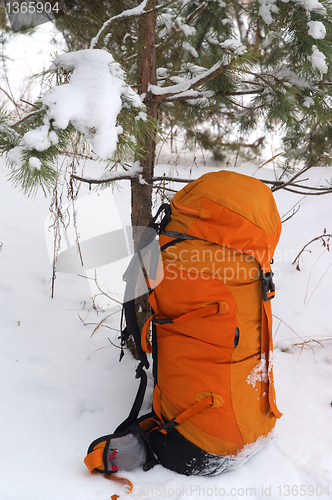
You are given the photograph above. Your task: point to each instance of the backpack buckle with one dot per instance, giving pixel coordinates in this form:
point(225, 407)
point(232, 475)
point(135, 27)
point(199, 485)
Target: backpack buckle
point(162, 321)
point(167, 426)
point(268, 287)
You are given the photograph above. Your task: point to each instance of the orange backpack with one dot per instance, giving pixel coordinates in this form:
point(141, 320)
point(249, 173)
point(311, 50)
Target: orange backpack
point(211, 337)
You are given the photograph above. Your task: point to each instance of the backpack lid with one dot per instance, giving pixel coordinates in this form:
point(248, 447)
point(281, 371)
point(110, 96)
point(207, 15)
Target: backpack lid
point(232, 210)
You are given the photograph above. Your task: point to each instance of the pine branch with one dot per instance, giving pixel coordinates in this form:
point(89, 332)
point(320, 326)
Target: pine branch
point(196, 13)
point(208, 95)
point(161, 94)
point(134, 12)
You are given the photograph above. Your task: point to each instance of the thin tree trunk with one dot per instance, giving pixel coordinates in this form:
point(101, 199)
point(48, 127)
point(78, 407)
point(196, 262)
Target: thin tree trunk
point(141, 188)
point(141, 193)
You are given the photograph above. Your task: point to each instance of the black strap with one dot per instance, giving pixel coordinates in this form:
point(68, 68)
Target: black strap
point(129, 311)
point(154, 228)
point(181, 236)
point(268, 286)
point(170, 244)
point(137, 405)
point(132, 329)
point(159, 227)
point(178, 238)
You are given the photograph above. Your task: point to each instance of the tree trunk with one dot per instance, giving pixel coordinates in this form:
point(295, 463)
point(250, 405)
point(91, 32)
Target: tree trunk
point(141, 193)
point(141, 188)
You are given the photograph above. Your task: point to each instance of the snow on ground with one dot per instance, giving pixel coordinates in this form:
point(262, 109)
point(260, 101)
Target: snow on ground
point(62, 388)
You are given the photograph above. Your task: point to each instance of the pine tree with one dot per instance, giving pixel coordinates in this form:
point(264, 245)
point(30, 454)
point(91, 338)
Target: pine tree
point(210, 69)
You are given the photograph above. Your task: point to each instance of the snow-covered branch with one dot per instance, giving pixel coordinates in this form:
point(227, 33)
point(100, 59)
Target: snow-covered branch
point(163, 93)
point(195, 94)
point(136, 11)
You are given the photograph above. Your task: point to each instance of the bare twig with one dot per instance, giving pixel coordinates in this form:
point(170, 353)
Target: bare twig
point(102, 181)
point(298, 174)
point(172, 179)
point(303, 342)
point(319, 283)
point(11, 99)
point(324, 243)
point(265, 163)
point(309, 341)
point(101, 324)
point(102, 292)
point(309, 278)
point(277, 184)
point(292, 215)
point(30, 103)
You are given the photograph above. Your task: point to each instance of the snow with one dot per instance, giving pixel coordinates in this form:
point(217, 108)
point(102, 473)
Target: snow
point(86, 102)
point(311, 5)
point(234, 45)
point(40, 138)
point(141, 116)
point(189, 48)
point(268, 7)
point(259, 373)
point(162, 72)
point(63, 388)
point(34, 163)
point(308, 101)
point(188, 30)
point(318, 60)
point(292, 77)
point(14, 156)
point(184, 86)
point(316, 30)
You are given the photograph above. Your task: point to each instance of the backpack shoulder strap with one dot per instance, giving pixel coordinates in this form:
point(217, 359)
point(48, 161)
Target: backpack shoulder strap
point(147, 242)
